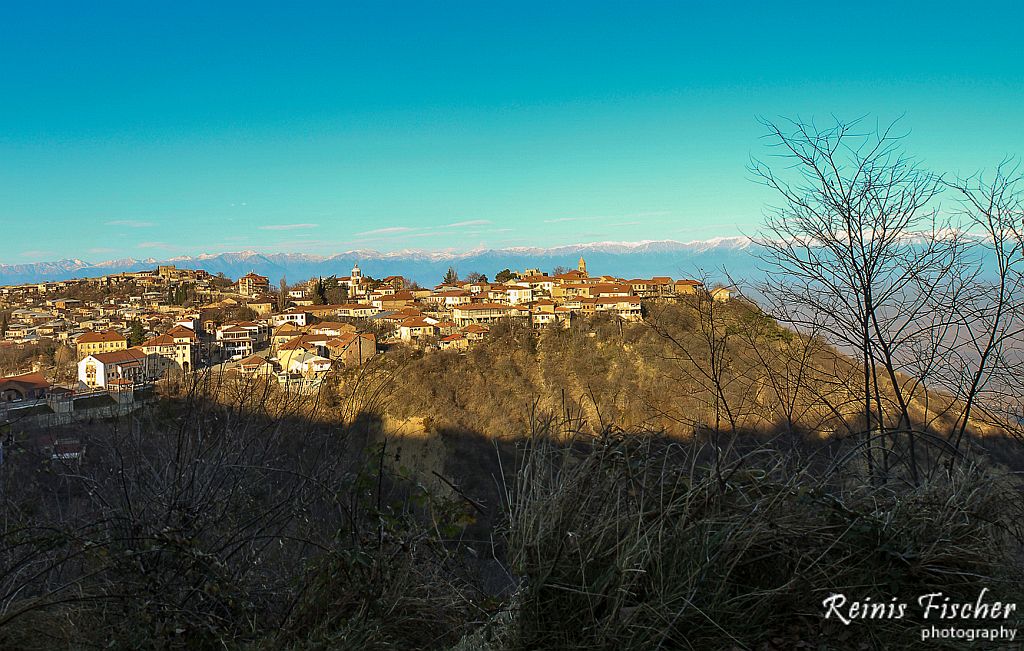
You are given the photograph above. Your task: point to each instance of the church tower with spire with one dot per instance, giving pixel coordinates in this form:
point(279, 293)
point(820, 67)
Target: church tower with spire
point(582, 266)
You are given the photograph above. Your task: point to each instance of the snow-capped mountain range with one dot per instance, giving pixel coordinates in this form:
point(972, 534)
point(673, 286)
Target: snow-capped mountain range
point(629, 259)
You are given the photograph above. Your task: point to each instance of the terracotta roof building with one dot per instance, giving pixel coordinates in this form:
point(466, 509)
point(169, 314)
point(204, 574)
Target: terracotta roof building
point(90, 343)
point(29, 386)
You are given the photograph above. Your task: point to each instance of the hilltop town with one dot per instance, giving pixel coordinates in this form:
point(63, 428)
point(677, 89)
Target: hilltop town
point(122, 332)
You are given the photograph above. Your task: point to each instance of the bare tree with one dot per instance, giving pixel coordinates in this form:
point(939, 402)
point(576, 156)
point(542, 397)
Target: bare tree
point(705, 358)
point(857, 251)
point(982, 362)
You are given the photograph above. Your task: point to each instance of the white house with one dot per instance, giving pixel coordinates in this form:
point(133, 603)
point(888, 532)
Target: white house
point(485, 313)
point(518, 294)
point(305, 363)
point(294, 315)
point(236, 341)
point(104, 369)
point(417, 327)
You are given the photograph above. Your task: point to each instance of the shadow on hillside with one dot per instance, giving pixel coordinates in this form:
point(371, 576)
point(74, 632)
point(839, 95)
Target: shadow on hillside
point(213, 515)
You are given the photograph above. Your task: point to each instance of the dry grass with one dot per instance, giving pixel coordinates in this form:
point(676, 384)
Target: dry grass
point(627, 543)
point(292, 532)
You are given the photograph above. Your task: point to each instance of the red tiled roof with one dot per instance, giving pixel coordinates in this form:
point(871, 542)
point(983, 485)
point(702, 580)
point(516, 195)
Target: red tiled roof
point(30, 380)
point(302, 342)
point(181, 331)
point(161, 340)
point(100, 337)
point(120, 356)
point(417, 322)
point(570, 274)
point(484, 306)
point(350, 338)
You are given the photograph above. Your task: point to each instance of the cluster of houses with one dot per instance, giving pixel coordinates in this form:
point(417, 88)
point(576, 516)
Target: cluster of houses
point(287, 352)
point(60, 312)
point(296, 335)
point(455, 315)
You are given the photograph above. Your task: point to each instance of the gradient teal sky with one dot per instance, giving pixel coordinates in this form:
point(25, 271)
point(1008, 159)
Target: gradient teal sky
point(159, 129)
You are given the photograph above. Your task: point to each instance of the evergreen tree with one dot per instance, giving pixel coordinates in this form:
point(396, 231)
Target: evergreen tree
point(136, 335)
point(504, 275)
point(451, 278)
point(320, 292)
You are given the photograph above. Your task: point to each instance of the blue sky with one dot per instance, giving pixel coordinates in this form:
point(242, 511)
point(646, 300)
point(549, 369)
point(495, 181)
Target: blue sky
point(135, 129)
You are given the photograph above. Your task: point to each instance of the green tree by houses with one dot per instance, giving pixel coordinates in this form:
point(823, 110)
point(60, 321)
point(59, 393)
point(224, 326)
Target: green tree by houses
point(180, 294)
point(451, 277)
point(328, 290)
point(136, 334)
point(504, 276)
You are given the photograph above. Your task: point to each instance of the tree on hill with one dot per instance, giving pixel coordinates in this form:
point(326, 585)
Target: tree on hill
point(336, 295)
point(319, 296)
point(328, 291)
point(504, 276)
point(136, 334)
point(476, 277)
point(180, 294)
point(451, 277)
point(858, 250)
point(282, 294)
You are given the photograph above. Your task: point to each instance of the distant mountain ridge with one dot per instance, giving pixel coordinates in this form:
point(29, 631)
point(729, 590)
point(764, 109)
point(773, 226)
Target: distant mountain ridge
point(630, 259)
